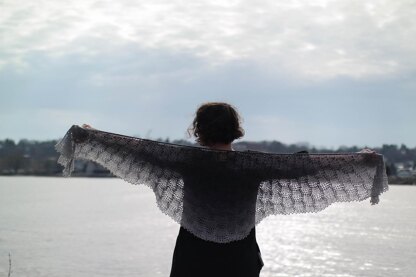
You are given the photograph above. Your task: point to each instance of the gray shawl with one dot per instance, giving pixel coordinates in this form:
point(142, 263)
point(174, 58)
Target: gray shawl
point(220, 195)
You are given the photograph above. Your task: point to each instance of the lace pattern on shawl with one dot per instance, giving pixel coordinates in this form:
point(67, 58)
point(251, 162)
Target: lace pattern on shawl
point(221, 195)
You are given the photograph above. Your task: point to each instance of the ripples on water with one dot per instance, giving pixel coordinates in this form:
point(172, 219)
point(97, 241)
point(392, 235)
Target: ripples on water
point(106, 227)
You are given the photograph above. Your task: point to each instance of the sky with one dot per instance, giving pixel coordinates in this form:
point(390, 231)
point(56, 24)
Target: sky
point(328, 73)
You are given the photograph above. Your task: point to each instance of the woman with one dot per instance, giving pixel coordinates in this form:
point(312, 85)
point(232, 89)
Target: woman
point(218, 195)
point(216, 125)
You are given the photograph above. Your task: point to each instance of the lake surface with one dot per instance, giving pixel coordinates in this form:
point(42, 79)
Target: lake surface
point(107, 227)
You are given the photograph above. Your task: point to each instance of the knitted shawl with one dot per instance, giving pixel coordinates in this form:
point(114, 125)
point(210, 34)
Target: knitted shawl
point(220, 195)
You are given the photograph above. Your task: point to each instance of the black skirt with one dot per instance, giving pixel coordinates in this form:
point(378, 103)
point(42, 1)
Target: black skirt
point(195, 257)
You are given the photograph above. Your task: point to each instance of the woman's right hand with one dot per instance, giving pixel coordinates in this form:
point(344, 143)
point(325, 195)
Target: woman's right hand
point(367, 151)
point(86, 126)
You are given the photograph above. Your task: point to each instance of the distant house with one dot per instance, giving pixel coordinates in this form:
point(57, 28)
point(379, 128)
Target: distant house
point(88, 168)
point(93, 169)
point(79, 166)
point(405, 173)
point(399, 166)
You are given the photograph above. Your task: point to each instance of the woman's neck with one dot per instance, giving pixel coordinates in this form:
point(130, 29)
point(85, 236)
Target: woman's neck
point(221, 146)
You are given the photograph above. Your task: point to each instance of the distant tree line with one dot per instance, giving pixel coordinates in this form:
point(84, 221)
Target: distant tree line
point(30, 157)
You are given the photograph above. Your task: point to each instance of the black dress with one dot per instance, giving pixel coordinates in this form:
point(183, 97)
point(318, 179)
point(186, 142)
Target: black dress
point(194, 257)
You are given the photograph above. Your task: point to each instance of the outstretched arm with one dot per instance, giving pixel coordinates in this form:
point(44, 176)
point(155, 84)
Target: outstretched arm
point(116, 152)
point(302, 182)
point(138, 161)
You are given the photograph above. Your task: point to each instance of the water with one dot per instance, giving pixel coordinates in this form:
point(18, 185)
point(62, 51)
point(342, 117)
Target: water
point(106, 227)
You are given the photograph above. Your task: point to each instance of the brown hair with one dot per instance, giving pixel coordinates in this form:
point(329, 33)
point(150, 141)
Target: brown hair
point(216, 122)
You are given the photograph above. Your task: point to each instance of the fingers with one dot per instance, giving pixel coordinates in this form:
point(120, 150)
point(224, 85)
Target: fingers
point(368, 151)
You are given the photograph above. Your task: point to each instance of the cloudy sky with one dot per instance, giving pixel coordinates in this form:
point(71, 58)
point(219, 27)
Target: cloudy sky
point(330, 73)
